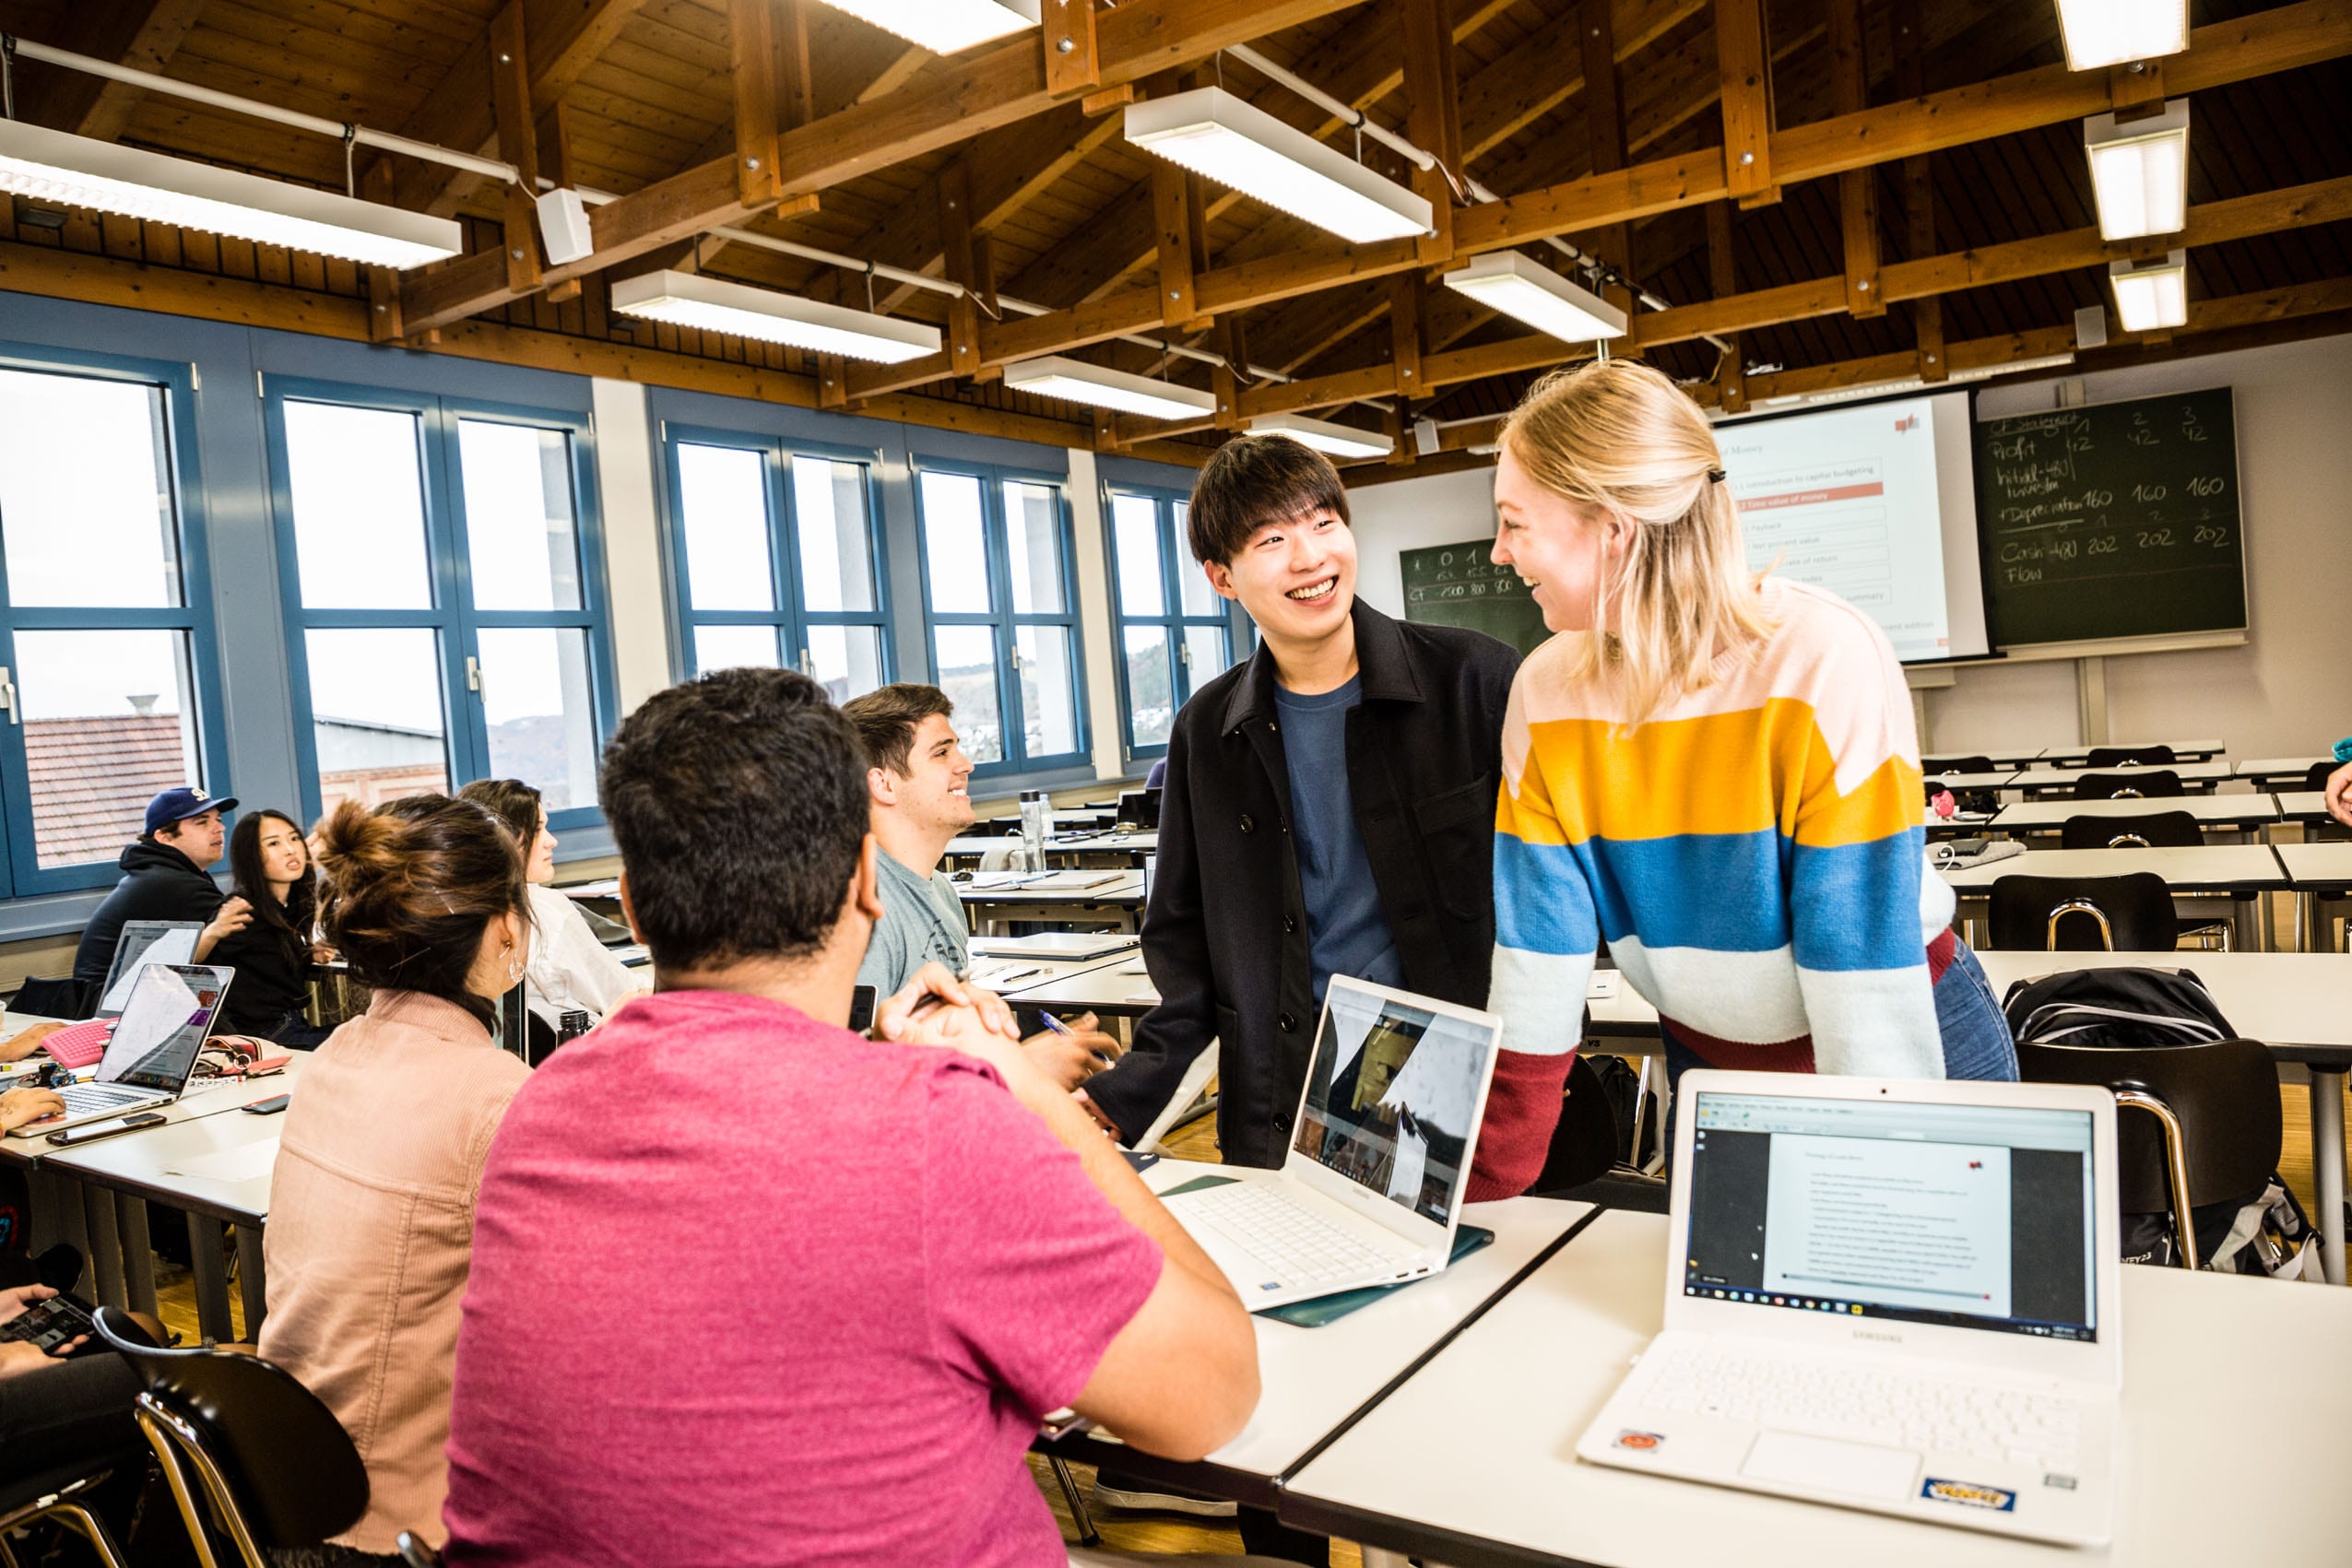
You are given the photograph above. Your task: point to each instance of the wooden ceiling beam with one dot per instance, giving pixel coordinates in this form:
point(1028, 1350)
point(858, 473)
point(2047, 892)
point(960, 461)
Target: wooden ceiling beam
point(1745, 68)
point(1857, 188)
point(144, 34)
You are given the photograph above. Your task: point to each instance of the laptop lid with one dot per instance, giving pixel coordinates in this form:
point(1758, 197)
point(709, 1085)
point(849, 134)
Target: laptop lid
point(1970, 1222)
point(1395, 1090)
point(145, 942)
point(171, 1013)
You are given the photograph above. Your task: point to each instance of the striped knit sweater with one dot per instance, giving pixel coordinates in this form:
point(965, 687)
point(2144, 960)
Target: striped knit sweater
point(1753, 856)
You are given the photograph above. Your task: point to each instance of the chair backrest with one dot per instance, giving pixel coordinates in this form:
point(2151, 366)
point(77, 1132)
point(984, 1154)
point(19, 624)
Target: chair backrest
point(1935, 765)
point(2157, 784)
point(2125, 756)
point(66, 997)
point(2154, 830)
point(1584, 1140)
point(290, 1468)
point(2132, 913)
point(2317, 775)
point(2225, 1094)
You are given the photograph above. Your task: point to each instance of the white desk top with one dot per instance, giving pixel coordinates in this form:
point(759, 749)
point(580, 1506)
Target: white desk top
point(1122, 887)
point(2281, 767)
point(1008, 976)
point(2325, 865)
point(1141, 840)
point(607, 889)
point(1121, 986)
point(1993, 780)
point(1481, 1443)
point(2221, 810)
point(213, 1165)
point(2182, 748)
point(2000, 756)
point(2303, 805)
point(1314, 1378)
point(2208, 868)
point(205, 1098)
point(2279, 998)
point(2190, 773)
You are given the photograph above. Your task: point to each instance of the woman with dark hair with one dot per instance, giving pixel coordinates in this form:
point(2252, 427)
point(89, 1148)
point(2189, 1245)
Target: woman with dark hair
point(372, 1205)
point(273, 954)
point(569, 969)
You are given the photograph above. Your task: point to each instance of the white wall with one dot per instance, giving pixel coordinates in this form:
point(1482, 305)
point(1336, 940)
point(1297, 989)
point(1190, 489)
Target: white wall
point(1411, 515)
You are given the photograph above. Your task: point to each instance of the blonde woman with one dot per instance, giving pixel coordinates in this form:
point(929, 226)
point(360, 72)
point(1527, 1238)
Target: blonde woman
point(1715, 773)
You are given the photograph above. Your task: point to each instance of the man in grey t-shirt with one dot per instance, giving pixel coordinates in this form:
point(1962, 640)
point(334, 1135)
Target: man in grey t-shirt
point(919, 795)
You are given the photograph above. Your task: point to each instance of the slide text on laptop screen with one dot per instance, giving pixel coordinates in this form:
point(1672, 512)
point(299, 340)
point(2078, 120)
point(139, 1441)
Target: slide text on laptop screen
point(1970, 1216)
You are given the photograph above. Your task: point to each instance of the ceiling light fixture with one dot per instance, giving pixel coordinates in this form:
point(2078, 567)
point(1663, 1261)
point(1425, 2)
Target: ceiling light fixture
point(944, 26)
point(2152, 294)
point(1509, 282)
point(2014, 367)
point(2109, 32)
point(1325, 435)
point(56, 166)
point(1075, 381)
point(712, 304)
point(1215, 134)
point(2140, 173)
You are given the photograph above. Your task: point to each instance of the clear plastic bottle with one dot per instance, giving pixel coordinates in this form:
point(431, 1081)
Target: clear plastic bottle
point(1036, 826)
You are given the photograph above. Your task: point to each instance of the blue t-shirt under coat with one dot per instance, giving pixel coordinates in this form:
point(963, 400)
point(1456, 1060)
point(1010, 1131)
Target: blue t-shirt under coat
point(1347, 930)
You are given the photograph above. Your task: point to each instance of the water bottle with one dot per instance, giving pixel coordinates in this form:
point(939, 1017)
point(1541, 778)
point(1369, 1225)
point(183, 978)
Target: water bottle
point(1036, 823)
point(573, 1024)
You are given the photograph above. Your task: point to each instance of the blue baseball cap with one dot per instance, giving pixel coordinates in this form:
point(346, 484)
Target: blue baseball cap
point(178, 805)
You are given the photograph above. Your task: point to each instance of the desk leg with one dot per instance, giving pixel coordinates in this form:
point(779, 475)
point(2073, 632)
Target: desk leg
point(71, 1219)
point(138, 1253)
point(105, 1245)
point(211, 1268)
point(2327, 1165)
point(252, 1282)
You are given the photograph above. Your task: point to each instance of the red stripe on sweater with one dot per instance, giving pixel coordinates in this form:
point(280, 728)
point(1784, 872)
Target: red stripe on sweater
point(1522, 1110)
point(1790, 1055)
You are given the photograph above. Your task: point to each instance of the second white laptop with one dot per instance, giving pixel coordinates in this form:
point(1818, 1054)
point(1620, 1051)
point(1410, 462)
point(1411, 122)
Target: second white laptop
point(1371, 1190)
point(1896, 1296)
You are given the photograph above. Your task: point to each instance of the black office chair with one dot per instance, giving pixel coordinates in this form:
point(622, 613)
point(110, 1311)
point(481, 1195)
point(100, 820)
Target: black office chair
point(2317, 775)
point(2131, 756)
point(2155, 830)
point(1967, 800)
point(1938, 765)
point(2128, 913)
point(1584, 1142)
point(275, 1466)
point(59, 1495)
point(2205, 1129)
point(2159, 785)
point(66, 998)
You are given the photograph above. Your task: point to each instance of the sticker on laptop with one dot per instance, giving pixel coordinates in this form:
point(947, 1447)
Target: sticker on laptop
point(1970, 1494)
point(1639, 1442)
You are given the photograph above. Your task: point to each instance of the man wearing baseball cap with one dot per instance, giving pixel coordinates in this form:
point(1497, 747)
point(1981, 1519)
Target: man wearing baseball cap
point(164, 878)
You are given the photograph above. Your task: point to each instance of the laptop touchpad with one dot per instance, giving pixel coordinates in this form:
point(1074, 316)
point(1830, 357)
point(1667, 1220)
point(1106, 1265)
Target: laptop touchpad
point(1824, 1464)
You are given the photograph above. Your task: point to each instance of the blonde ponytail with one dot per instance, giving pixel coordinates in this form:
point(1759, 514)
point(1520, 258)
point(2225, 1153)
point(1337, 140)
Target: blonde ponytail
point(1618, 437)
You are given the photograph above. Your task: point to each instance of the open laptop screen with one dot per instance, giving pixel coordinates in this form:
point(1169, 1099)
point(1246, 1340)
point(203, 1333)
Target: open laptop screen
point(144, 942)
point(1392, 1094)
point(170, 1011)
point(1968, 1216)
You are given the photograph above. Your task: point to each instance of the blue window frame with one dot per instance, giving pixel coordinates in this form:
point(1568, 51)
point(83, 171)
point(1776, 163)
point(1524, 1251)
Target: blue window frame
point(776, 546)
point(1174, 632)
point(443, 563)
point(1000, 614)
point(109, 667)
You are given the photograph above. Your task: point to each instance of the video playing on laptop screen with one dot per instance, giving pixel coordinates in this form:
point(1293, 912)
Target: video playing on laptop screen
point(1394, 1090)
point(156, 1041)
point(1968, 1216)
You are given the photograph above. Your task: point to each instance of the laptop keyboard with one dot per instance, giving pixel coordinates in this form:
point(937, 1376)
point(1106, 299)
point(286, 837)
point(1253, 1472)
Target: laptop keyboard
point(1863, 1403)
point(1291, 1243)
point(100, 1099)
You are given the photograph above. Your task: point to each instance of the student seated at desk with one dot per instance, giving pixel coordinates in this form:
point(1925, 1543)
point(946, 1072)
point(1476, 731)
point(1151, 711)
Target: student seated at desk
point(270, 865)
point(917, 783)
point(371, 1206)
point(871, 1265)
point(570, 969)
point(1716, 772)
point(164, 878)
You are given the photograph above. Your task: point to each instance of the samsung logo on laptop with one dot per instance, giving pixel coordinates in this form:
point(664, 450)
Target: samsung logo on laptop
point(1882, 1338)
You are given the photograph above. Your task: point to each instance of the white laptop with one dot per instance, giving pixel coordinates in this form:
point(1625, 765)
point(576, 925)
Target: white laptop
point(1894, 1296)
point(1371, 1190)
point(167, 1017)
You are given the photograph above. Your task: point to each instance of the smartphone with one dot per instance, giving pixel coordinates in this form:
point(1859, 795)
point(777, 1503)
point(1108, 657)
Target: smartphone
point(66, 1137)
point(50, 1324)
point(861, 1008)
point(268, 1107)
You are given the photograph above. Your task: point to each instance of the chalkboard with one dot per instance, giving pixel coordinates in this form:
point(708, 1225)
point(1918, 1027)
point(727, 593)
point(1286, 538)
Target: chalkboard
point(2116, 520)
point(1457, 586)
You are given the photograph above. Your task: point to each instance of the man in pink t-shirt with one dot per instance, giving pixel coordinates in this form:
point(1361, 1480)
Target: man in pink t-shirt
point(857, 1271)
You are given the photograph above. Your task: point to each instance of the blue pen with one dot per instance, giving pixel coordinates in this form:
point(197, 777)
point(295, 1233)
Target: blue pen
point(1056, 1024)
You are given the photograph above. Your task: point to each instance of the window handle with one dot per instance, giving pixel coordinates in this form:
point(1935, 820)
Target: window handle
point(1184, 654)
point(1016, 655)
point(808, 665)
point(473, 673)
point(8, 695)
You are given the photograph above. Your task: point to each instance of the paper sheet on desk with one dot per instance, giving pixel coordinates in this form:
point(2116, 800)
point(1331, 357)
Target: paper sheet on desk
point(244, 1164)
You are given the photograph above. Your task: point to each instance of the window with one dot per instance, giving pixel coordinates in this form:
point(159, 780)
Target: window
point(107, 669)
point(444, 595)
point(1001, 611)
point(1174, 633)
point(776, 549)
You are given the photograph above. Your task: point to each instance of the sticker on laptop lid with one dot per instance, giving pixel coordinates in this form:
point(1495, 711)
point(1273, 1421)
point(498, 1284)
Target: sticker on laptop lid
point(1970, 1494)
point(1639, 1442)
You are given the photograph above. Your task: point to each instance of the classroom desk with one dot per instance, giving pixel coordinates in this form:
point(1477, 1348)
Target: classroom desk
point(1065, 847)
point(2196, 778)
point(1471, 1462)
point(1314, 1378)
point(2308, 806)
point(2000, 756)
point(2213, 812)
point(2182, 751)
point(2320, 873)
point(2280, 773)
point(1119, 902)
point(1999, 778)
point(1120, 989)
point(2244, 872)
point(1011, 973)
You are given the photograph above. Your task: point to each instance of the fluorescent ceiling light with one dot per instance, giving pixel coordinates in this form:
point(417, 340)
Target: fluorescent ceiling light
point(944, 26)
point(1509, 282)
point(2151, 295)
point(1325, 435)
point(1212, 133)
point(2109, 32)
point(2014, 367)
point(54, 166)
point(2140, 173)
point(686, 299)
point(1075, 381)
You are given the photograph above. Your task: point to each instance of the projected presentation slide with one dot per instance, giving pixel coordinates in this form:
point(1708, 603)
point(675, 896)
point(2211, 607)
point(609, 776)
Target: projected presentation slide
point(1853, 501)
